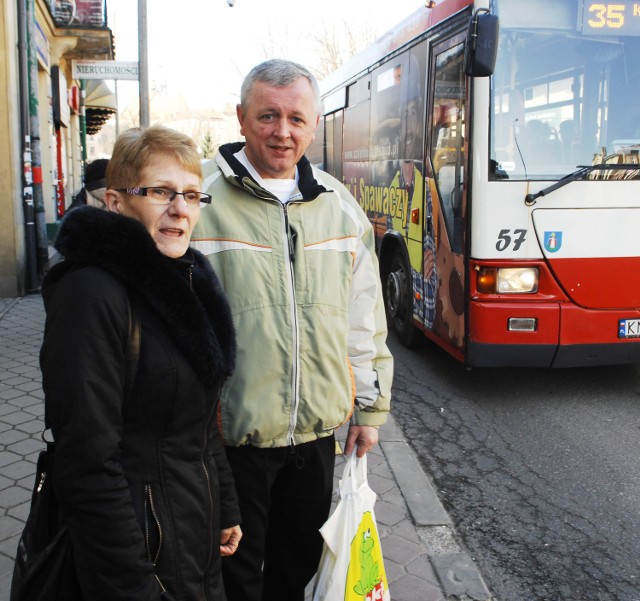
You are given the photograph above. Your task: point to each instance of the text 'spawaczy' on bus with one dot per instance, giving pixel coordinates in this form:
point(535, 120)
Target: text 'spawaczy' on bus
point(507, 207)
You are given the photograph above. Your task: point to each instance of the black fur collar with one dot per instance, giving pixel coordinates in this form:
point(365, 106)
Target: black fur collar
point(199, 321)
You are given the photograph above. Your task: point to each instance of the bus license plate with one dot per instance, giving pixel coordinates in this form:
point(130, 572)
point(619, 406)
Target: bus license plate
point(629, 328)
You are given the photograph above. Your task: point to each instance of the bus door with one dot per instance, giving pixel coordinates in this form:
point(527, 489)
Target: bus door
point(444, 242)
point(418, 225)
point(333, 143)
point(402, 218)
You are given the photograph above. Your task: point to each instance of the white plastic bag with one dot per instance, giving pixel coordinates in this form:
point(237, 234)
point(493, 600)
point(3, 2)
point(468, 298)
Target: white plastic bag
point(351, 567)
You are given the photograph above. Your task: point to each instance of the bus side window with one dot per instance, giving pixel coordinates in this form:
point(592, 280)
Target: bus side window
point(387, 83)
point(448, 139)
point(329, 146)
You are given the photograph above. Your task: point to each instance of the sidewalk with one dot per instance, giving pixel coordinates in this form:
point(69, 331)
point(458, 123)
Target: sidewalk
point(423, 559)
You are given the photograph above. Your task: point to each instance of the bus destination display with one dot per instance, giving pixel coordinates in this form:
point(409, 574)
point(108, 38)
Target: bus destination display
point(611, 18)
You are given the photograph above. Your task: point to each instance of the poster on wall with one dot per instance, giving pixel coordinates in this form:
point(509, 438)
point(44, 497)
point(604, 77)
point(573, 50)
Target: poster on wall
point(81, 13)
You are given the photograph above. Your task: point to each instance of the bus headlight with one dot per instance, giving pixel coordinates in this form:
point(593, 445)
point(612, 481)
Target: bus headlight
point(518, 280)
point(507, 280)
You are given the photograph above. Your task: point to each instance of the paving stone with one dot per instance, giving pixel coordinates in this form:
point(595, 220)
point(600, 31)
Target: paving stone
point(400, 550)
point(31, 428)
point(8, 548)
point(9, 393)
point(7, 458)
point(16, 380)
point(389, 513)
point(6, 567)
point(12, 436)
point(13, 495)
point(25, 401)
point(10, 526)
point(422, 568)
point(28, 481)
point(36, 410)
point(407, 531)
point(18, 470)
point(29, 386)
point(393, 570)
point(459, 577)
point(8, 364)
point(411, 588)
point(21, 511)
point(381, 484)
point(26, 446)
point(17, 417)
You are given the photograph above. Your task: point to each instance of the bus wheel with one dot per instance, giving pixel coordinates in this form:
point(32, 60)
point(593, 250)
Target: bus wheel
point(398, 300)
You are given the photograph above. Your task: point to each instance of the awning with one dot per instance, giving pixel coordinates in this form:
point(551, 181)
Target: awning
point(99, 103)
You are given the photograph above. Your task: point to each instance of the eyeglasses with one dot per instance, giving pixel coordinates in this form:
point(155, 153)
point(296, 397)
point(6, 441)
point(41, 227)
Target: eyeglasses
point(165, 196)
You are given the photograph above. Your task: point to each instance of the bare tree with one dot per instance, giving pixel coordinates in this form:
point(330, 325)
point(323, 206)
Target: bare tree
point(330, 53)
point(280, 42)
point(207, 146)
point(333, 43)
point(336, 43)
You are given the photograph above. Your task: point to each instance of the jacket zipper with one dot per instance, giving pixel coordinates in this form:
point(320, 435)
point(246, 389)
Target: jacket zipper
point(209, 423)
point(289, 260)
point(150, 505)
point(295, 375)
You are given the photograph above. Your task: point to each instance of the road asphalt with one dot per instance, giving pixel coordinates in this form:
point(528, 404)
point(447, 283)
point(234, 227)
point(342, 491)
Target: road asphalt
point(423, 555)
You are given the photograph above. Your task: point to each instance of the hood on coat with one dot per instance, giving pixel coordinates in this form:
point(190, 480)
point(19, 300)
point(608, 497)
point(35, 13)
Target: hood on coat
point(198, 318)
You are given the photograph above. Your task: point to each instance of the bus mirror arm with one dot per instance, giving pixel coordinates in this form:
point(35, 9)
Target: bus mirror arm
point(530, 199)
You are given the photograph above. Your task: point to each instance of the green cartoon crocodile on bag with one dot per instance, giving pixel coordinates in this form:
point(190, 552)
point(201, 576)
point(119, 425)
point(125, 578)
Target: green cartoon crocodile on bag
point(369, 569)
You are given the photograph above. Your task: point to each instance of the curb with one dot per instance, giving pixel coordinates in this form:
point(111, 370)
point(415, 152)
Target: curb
point(455, 569)
point(423, 502)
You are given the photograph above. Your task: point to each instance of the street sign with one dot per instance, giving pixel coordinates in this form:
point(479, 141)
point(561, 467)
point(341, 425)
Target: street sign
point(87, 69)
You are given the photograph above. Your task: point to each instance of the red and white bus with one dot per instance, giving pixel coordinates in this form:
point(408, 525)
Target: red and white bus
point(506, 203)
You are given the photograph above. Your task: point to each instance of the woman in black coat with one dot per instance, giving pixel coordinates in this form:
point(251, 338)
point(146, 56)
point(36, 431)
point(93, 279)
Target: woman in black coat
point(141, 474)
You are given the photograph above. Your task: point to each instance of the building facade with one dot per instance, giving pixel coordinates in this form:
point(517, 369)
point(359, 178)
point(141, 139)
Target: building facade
point(43, 125)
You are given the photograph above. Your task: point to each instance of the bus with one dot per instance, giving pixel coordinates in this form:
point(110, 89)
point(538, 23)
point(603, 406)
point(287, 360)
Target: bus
point(504, 195)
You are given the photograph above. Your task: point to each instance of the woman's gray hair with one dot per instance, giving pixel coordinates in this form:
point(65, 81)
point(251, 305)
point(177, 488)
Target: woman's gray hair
point(280, 73)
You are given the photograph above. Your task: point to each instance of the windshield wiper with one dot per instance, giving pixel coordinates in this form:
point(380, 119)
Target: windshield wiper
point(580, 173)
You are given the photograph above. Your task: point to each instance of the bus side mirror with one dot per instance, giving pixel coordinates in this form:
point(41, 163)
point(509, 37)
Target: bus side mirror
point(482, 44)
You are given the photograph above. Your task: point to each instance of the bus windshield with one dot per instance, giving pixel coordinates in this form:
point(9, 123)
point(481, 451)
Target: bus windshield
point(566, 88)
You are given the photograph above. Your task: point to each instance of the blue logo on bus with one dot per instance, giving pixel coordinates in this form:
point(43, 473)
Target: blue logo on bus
point(552, 241)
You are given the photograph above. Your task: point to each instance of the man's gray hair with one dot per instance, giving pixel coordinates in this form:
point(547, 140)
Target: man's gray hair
point(280, 73)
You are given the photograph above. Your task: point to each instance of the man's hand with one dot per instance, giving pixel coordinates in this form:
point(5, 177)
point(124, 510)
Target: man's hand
point(229, 540)
point(363, 436)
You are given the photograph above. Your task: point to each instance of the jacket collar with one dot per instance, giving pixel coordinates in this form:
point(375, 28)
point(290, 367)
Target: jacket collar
point(232, 168)
point(185, 293)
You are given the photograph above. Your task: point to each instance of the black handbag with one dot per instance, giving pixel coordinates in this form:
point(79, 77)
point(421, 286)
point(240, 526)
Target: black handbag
point(44, 568)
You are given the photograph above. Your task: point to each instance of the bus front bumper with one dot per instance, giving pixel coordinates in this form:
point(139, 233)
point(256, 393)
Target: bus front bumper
point(564, 336)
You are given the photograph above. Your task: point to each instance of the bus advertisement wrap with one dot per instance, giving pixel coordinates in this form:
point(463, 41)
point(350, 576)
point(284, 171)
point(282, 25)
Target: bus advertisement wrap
point(505, 208)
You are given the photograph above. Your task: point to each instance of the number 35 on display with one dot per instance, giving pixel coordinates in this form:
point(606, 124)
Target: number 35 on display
point(606, 15)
